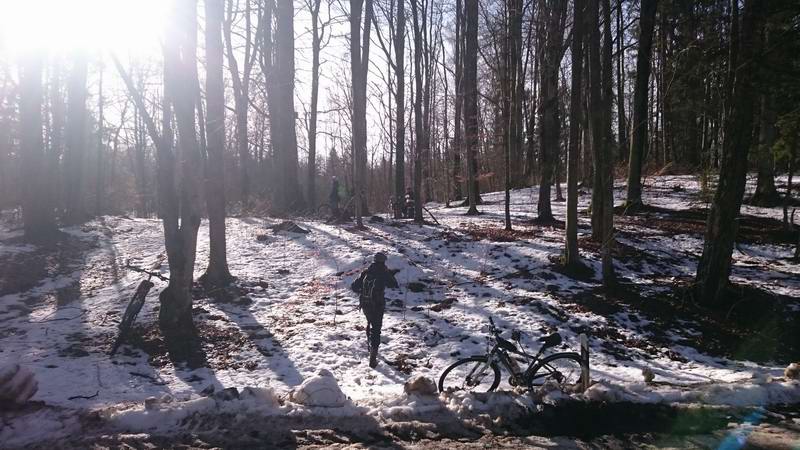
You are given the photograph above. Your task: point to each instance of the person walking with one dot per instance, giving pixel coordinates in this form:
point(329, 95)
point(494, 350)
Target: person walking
point(333, 198)
point(370, 286)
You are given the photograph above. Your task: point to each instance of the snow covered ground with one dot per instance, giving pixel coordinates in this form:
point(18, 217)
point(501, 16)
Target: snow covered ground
point(297, 314)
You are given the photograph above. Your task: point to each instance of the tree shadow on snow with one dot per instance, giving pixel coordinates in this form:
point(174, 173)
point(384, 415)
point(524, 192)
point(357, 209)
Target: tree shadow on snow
point(234, 302)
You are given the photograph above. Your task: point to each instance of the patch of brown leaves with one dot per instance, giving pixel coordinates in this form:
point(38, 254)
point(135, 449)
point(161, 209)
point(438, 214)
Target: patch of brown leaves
point(495, 234)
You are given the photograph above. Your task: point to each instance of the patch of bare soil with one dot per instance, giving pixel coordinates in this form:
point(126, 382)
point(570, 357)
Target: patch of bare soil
point(619, 250)
point(496, 234)
point(25, 270)
point(577, 271)
point(755, 325)
point(449, 236)
point(218, 347)
point(547, 223)
point(752, 229)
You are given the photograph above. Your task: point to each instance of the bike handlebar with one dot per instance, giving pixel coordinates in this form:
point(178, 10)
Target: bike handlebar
point(147, 272)
point(515, 334)
point(493, 327)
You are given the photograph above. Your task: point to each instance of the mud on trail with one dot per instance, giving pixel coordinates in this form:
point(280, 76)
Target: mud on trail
point(577, 425)
point(760, 326)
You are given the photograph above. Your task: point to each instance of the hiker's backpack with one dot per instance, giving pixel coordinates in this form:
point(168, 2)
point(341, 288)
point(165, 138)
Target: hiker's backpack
point(366, 285)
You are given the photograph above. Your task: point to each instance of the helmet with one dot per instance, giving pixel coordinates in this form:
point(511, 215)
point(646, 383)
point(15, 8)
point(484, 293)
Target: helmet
point(380, 257)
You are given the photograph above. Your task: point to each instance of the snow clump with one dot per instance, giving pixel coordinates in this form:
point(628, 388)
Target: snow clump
point(792, 372)
point(320, 390)
point(420, 385)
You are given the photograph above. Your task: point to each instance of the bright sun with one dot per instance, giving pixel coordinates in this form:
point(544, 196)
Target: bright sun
point(63, 25)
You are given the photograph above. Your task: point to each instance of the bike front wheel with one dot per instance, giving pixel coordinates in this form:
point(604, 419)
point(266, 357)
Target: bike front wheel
point(324, 211)
point(563, 369)
point(471, 374)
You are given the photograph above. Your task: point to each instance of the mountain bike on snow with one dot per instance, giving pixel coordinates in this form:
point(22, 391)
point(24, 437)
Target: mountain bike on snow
point(481, 373)
point(135, 305)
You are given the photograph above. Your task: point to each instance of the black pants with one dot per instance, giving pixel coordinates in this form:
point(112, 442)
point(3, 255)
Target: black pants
point(373, 310)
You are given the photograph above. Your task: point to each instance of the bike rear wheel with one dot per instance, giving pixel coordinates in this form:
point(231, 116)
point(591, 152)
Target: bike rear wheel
point(131, 312)
point(324, 211)
point(471, 374)
point(563, 369)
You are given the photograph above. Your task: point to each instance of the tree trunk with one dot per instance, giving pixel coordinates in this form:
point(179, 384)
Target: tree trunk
point(571, 253)
point(459, 102)
point(241, 95)
point(787, 197)
point(766, 194)
point(76, 140)
point(37, 210)
point(400, 113)
point(621, 121)
point(714, 267)
point(316, 43)
point(54, 150)
point(181, 223)
point(100, 180)
point(139, 169)
point(217, 273)
point(425, 144)
point(419, 128)
point(282, 114)
point(359, 65)
point(471, 101)
point(641, 120)
point(550, 130)
point(518, 91)
point(601, 132)
point(607, 174)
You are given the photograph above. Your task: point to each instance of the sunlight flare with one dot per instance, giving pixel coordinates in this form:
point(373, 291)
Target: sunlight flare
point(58, 25)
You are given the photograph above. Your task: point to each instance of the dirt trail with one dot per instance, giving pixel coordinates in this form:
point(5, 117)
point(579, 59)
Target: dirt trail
point(578, 425)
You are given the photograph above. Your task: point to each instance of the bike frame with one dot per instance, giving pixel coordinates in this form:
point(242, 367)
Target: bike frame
point(502, 356)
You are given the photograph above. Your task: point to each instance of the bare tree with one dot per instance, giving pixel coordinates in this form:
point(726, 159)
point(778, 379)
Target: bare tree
point(599, 119)
point(37, 209)
point(641, 119)
point(396, 21)
point(550, 130)
point(400, 106)
point(76, 139)
point(421, 140)
point(318, 36)
point(571, 253)
point(714, 267)
point(459, 101)
point(217, 273)
point(241, 88)
point(359, 68)
point(179, 206)
point(182, 218)
point(607, 173)
point(282, 113)
point(100, 173)
point(471, 101)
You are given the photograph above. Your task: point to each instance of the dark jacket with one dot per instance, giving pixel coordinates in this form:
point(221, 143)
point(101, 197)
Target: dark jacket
point(383, 277)
point(334, 195)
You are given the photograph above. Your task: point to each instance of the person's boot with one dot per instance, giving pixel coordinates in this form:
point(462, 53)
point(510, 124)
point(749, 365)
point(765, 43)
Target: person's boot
point(373, 357)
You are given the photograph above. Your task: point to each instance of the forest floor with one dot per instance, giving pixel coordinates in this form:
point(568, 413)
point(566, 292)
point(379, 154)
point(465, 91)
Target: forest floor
point(291, 313)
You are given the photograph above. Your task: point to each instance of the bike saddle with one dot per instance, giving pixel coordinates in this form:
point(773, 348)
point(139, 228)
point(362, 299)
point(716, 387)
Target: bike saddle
point(550, 341)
